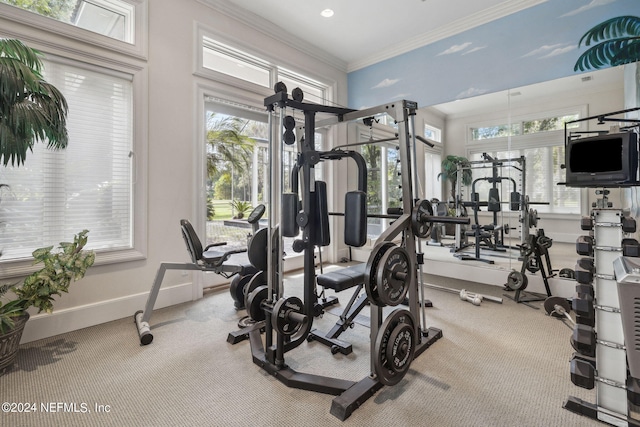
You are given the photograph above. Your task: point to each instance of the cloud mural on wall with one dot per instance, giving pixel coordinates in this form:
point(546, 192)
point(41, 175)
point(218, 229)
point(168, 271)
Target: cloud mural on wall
point(536, 44)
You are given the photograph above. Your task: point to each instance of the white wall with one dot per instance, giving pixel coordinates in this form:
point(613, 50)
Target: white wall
point(114, 291)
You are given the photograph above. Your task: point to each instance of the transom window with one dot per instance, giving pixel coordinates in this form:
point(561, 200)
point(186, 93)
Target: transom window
point(111, 18)
point(524, 127)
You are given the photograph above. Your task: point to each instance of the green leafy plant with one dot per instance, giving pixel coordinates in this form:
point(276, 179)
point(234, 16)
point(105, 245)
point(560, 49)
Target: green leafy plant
point(60, 268)
point(450, 171)
point(31, 109)
point(240, 207)
point(613, 42)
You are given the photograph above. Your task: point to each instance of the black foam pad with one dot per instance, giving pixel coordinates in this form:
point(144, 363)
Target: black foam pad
point(493, 204)
point(515, 201)
point(290, 209)
point(320, 213)
point(355, 218)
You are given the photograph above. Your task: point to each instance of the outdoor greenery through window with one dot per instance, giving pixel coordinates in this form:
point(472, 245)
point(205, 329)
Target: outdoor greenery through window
point(238, 173)
point(111, 18)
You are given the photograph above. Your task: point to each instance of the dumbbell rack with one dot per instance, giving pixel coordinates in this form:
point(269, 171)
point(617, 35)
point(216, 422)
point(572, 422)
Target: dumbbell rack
point(600, 360)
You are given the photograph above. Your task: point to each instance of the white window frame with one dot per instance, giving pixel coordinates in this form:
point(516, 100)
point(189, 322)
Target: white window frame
point(49, 42)
point(18, 18)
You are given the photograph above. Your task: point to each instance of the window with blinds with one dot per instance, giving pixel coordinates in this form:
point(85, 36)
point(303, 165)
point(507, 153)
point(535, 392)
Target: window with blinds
point(56, 194)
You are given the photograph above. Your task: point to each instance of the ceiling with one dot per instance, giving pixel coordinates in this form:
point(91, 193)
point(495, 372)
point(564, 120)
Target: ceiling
point(362, 32)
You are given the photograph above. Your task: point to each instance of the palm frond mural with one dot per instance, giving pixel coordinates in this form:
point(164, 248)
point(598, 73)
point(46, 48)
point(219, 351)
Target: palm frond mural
point(613, 42)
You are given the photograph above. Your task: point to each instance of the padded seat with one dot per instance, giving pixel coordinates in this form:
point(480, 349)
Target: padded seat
point(343, 278)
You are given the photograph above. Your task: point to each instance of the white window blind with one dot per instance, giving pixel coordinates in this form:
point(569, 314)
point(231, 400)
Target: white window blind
point(56, 194)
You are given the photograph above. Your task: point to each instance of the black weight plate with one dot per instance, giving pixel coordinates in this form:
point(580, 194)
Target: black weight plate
point(257, 252)
point(279, 319)
point(371, 269)
point(420, 227)
point(400, 348)
point(551, 303)
point(387, 371)
point(516, 280)
point(237, 289)
point(258, 279)
point(254, 303)
point(393, 276)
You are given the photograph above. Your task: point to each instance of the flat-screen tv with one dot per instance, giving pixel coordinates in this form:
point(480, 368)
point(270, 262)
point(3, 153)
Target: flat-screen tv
point(609, 160)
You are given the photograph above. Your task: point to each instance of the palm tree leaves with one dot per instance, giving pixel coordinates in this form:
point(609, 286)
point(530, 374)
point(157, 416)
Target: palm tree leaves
point(30, 108)
point(226, 144)
point(615, 41)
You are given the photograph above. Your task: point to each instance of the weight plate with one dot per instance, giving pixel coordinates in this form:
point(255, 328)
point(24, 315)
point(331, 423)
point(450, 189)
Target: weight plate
point(517, 280)
point(257, 252)
point(371, 270)
point(237, 289)
point(280, 315)
point(393, 276)
point(557, 306)
point(258, 279)
point(254, 303)
point(394, 347)
point(297, 94)
point(419, 226)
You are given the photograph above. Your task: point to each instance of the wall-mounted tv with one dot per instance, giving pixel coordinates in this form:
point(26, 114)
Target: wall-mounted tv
point(609, 160)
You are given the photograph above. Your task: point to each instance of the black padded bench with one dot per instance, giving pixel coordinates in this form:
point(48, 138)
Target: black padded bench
point(340, 280)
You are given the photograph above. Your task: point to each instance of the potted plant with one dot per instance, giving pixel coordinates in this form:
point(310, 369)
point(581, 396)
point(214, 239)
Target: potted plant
point(32, 110)
point(38, 289)
point(450, 167)
point(240, 207)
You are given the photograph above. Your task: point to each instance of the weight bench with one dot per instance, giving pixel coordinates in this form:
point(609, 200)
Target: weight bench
point(339, 280)
point(212, 258)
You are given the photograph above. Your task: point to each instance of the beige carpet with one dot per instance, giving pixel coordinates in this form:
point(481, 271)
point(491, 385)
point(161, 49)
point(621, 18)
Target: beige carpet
point(496, 365)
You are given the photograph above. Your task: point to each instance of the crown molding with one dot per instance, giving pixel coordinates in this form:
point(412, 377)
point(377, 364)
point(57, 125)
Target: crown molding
point(269, 29)
point(459, 26)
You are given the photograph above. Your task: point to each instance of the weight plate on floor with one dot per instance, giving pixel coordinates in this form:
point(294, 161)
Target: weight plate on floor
point(393, 276)
point(394, 347)
point(517, 280)
point(419, 226)
point(254, 303)
point(371, 269)
point(551, 309)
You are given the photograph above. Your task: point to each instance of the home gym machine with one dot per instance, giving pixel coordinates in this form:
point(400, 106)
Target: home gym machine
point(391, 273)
point(215, 257)
point(605, 336)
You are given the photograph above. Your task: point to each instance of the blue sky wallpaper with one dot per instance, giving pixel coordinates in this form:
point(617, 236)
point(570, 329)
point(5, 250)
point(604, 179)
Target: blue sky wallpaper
point(534, 45)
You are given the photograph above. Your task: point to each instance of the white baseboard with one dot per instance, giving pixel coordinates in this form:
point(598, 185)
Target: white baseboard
point(45, 325)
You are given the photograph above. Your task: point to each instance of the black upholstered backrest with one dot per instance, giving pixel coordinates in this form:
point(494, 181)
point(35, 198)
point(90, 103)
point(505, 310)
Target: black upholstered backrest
point(191, 240)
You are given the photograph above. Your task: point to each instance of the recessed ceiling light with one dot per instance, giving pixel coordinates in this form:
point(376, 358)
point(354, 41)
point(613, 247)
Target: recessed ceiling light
point(327, 13)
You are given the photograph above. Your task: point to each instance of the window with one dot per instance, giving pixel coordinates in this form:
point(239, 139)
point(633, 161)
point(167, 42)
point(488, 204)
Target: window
point(235, 63)
point(219, 61)
point(111, 18)
point(56, 194)
point(524, 127)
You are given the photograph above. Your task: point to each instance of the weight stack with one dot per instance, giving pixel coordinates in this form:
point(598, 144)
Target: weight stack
point(611, 357)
